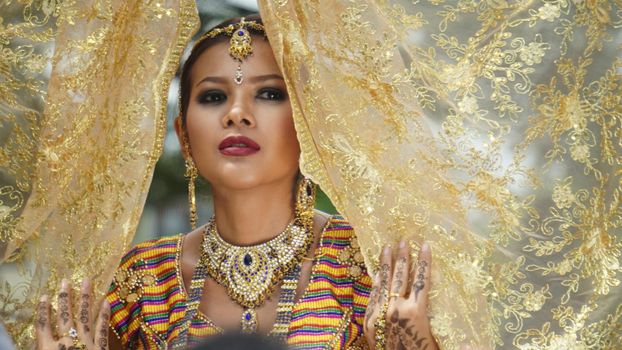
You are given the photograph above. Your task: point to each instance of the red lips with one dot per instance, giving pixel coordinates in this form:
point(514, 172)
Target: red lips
point(238, 146)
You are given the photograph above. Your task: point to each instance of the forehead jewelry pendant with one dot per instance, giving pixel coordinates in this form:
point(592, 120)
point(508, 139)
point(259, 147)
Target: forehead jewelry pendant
point(240, 48)
point(238, 75)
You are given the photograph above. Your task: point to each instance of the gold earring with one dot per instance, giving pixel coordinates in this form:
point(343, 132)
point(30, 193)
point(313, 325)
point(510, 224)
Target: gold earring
point(305, 202)
point(191, 175)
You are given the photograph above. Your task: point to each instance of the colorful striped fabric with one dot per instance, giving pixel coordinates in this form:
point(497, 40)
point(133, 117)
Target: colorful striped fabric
point(329, 315)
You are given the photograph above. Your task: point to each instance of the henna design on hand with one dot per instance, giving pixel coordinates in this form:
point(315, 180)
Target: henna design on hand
point(62, 347)
point(408, 334)
point(393, 336)
point(372, 303)
point(84, 312)
point(103, 332)
point(399, 273)
point(42, 319)
point(63, 304)
point(384, 280)
point(419, 283)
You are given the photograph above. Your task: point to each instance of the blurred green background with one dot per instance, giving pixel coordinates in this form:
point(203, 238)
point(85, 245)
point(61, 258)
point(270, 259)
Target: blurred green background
point(166, 209)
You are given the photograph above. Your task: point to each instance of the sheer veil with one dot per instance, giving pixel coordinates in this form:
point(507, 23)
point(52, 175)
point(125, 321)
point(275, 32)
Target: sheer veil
point(492, 129)
point(83, 94)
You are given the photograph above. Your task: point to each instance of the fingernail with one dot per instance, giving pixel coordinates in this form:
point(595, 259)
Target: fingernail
point(402, 244)
point(44, 298)
point(85, 283)
point(63, 284)
point(386, 250)
point(425, 247)
point(105, 304)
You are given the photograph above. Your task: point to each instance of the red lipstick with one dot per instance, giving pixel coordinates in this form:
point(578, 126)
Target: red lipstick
point(238, 146)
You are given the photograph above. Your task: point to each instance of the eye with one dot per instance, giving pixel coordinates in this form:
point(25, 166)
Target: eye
point(272, 94)
point(211, 97)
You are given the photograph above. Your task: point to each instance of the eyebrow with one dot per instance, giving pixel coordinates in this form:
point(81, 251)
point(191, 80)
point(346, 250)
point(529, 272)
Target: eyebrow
point(255, 79)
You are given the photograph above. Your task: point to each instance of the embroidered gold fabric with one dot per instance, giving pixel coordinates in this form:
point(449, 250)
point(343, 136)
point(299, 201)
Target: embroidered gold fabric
point(83, 92)
point(493, 129)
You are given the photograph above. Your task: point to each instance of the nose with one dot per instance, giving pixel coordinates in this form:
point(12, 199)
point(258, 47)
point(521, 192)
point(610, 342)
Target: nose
point(239, 115)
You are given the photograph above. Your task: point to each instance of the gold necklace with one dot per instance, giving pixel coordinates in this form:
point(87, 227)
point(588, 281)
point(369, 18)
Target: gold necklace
point(251, 273)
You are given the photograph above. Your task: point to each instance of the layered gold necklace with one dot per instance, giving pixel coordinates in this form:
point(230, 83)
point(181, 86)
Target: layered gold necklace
point(251, 273)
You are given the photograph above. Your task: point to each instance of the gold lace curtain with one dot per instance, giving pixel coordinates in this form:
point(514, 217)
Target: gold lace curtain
point(83, 93)
point(492, 129)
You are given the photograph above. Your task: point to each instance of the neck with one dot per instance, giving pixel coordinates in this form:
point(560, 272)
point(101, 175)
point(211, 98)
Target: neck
point(252, 216)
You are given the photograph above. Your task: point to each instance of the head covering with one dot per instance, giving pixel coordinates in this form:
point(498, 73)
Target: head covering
point(491, 129)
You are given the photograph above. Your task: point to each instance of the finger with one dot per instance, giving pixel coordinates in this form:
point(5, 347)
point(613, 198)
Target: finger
point(372, 306)
point(378, 294)
point(371, 312)
point(43, 328)
point(386, 262)
point(65, 317)
point(101, 328)
point(386, 266)
point(399, 281)
point(421, 284)
point(84, 312)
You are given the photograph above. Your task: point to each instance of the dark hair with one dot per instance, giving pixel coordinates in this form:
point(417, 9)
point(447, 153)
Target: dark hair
point(185, 83)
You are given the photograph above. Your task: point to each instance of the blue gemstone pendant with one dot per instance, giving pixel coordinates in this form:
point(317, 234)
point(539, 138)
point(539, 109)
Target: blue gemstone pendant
point(249, 321)
point(248, 260)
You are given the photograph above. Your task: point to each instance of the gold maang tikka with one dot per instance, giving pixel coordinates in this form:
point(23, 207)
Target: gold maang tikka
point(240, 44)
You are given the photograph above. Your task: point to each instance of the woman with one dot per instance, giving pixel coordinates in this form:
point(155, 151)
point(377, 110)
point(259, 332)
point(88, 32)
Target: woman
point(267, 262)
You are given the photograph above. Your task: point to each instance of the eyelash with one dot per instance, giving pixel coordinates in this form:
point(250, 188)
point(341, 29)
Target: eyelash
point(212, 97)
point(218, 96)
point(279, 95)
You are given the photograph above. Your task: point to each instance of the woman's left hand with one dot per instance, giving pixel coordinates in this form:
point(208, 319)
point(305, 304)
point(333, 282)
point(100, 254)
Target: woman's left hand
point(79, 335)
point(397, 314)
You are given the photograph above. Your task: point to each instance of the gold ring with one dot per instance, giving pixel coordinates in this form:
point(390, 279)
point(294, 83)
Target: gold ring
point(394, 295)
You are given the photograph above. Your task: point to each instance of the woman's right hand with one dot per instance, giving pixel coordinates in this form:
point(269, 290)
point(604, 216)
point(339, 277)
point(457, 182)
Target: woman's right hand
point(86, 333)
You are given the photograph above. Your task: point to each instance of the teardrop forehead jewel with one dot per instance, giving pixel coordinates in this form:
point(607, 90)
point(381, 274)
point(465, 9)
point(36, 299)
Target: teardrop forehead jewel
point(239, 44)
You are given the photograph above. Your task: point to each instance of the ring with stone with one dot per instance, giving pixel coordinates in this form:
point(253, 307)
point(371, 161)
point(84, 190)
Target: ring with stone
point(73, 334)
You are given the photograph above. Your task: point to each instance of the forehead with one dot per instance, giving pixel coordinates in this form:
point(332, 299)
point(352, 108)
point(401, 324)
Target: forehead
point(216, 61)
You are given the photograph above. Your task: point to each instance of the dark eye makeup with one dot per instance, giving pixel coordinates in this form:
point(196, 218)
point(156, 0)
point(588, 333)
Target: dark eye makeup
point(219, 96)
point(212, 97)
point(272, 94)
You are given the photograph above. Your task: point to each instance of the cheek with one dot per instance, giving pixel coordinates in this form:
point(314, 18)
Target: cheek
point(202, 132)
point(287, 136)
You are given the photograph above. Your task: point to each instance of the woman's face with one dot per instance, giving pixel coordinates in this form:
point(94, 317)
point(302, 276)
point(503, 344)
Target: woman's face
point(241, 136)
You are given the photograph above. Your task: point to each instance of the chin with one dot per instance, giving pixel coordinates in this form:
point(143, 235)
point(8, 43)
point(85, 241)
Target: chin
point(234, 180)
point(239, 184)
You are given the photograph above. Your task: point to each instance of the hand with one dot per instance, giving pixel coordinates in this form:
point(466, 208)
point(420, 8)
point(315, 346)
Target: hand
point(398, 302)
point(72, 337)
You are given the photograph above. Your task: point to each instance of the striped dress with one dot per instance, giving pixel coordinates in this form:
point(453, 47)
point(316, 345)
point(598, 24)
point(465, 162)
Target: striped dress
point(148, 300)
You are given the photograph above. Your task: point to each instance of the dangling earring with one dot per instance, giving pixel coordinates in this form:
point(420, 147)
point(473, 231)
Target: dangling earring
point(305, 202)
point(190, 175)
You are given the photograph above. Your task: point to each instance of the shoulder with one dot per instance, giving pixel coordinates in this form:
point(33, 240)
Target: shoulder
point(147, 269)
point(338, 232)
point(157, 249)
point(339, 248)
point(338, 292)
point(144, 265)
